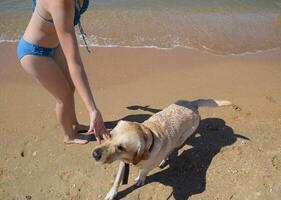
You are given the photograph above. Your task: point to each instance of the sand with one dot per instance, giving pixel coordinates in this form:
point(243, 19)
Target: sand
point(234, 155)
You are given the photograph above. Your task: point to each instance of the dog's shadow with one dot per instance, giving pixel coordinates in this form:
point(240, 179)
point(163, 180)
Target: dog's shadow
point(186, 173)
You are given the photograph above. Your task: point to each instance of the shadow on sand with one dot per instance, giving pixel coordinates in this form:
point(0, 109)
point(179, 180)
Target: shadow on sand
point(186, 173)
point(133, 118)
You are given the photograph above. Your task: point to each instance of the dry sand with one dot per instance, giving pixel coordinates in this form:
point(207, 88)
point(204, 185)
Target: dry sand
point(235, 155)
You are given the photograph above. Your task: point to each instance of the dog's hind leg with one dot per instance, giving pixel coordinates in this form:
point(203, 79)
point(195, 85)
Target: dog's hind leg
point(167, 159)
point(172, 154)
point(163, 163)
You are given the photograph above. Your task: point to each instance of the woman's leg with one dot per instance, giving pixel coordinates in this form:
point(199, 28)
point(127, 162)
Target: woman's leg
point(61, 62)
point(51, 76)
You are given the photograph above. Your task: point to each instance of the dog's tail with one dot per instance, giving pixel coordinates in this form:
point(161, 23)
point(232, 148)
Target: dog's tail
point(210, 103)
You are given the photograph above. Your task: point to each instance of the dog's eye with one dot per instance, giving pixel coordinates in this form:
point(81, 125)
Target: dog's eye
point(121, 148)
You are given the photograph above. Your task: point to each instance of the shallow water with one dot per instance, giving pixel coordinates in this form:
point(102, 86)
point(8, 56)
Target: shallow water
point(218, 26)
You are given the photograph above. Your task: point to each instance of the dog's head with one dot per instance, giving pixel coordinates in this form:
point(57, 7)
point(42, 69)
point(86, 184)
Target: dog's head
point(128, 143)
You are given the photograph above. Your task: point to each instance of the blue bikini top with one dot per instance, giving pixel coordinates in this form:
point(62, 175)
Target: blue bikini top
point(79, 10)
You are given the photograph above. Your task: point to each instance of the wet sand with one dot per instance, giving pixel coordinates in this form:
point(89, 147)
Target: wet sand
point(234, 155)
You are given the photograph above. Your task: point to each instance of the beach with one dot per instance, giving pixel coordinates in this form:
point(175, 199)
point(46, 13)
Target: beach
point(234, 155)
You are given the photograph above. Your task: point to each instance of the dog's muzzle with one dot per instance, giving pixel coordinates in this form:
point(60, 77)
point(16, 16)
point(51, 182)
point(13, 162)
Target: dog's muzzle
point(97, 154)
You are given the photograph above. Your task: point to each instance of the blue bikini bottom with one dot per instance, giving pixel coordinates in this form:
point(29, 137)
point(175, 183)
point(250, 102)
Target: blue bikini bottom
point(27, 48)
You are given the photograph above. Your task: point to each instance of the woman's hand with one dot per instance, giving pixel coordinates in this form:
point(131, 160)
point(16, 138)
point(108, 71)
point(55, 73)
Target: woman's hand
point(97, 126)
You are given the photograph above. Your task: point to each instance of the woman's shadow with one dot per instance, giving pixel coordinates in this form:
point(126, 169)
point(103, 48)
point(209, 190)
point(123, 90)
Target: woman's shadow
point(133, 118)
point(186, 172)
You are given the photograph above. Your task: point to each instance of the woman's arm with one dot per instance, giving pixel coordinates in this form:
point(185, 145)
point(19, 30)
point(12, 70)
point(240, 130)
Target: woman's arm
point(62, 12)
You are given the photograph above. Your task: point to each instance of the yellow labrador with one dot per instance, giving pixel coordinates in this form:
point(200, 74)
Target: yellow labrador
point(148, 144)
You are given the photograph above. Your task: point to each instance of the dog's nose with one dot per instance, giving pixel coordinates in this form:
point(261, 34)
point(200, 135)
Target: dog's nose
point(97, 153)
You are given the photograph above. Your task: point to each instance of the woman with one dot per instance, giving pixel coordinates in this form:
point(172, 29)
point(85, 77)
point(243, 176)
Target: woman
point(49, 51)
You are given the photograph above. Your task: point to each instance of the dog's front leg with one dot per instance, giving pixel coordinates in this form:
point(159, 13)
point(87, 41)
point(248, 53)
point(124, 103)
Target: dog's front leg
point(113, 191)
point(140, 180)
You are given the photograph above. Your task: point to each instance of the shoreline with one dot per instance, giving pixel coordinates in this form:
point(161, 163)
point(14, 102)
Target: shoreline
point(203, 49)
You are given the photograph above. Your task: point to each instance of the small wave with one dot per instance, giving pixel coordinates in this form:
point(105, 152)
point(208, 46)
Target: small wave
point(175, 46)
point(134, 47)
point(169, 43)
point(4, 41)
point(203, 48)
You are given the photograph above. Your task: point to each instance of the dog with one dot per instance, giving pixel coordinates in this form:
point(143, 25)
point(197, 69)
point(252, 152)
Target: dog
point(148, 144)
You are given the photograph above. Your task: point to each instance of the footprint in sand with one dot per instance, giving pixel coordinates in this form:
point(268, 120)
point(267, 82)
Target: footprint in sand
point(247, 114)
point(23, 152)
point(236, 107)
point(1, 173)
point(28, 197)
point(276, 162)
point(65, 175)
point(270, 99)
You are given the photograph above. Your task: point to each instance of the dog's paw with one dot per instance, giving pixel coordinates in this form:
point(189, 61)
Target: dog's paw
point(139, 181)
point(111, 195)
point(163, 164)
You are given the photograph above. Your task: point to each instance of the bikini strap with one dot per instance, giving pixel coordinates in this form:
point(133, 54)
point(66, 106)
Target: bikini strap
point(44, 18)
point(36, 10)
point(33, 5)
point(84, 35)
point(82, 32)
point(84, 6)
point(78, 11)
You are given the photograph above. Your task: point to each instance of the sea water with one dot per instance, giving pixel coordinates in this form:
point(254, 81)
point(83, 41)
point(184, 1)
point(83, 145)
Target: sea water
point(217, 26)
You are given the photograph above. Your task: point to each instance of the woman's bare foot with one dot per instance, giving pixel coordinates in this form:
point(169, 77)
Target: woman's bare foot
point(77, 139)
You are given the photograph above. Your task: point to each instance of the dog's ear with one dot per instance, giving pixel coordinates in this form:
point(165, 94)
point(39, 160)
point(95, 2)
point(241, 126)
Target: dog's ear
point(142, 153)
point(145, 130)
point(138, 156)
